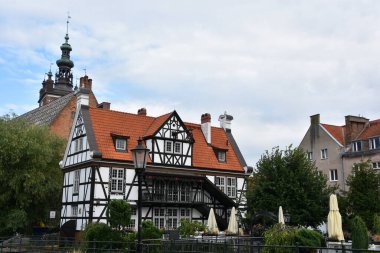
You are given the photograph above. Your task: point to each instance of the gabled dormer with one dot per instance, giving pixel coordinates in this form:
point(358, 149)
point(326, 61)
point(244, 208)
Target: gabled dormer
point(170, 141)
point(120, 142)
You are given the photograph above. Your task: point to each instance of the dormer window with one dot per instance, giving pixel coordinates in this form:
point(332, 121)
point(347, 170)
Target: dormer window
point(222, 156)
point(357, 146)
point(374, 143)
point(121, 144)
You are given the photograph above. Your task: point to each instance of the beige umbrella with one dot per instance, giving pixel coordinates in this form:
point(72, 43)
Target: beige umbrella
point(232, 224)
point(281, 219)
point(334, 220)
point(212, 226)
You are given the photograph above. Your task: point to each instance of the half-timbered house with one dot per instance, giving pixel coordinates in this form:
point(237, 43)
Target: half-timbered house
point(191, 168)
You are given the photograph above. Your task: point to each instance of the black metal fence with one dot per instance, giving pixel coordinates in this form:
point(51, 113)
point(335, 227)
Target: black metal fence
point(210, 244)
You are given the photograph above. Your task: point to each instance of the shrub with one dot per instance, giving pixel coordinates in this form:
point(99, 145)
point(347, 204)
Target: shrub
point(188, 227)
point(308, 238)
point(279, 235)
point(100, 237)
point(149, 231)
point(359, 233)
point(376, 224)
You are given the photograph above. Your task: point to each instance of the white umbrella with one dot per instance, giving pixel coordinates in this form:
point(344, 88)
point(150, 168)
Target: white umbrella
point(281, 219)
point(334, 220)
point(232, 224)
point(212, 226)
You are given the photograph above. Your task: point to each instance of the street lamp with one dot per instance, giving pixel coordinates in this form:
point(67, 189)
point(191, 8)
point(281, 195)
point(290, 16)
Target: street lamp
point(140, 154)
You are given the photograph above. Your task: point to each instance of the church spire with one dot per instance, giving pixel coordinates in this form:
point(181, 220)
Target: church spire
point(64, 77)
point(63, 83)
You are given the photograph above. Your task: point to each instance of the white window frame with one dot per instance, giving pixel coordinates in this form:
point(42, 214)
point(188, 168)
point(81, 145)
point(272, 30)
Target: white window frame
point(78, 145)
point(159, 217)
point(74, 210)
point(376, 165)
point(117, 180)
point(168, 147)
point(132, 224)
point(220, 182)
point(222, 156)
point(231, 187)
point(121, 144)
point(374, 143)
point(324, 154)
point(333, 175)
point(357, 146)
point(177, 148)
point(76, 182)
point(309, 155)
point(172, 218)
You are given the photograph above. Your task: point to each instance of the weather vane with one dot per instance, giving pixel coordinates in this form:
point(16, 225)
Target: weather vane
point(85, 71)
point(67, 22)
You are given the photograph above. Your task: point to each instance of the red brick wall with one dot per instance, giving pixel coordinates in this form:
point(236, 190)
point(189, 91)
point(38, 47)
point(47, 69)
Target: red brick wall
point(62, 124)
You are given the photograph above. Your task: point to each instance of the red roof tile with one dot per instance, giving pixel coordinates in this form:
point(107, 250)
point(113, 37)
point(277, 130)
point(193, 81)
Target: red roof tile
point(105, 122)
point(371, 130)
point(336, 131)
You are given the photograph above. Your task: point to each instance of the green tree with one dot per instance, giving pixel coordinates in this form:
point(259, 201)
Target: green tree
point(118, 213)
point(287, 178)
point(359, 233)
point(364, 192)
point(30, 177)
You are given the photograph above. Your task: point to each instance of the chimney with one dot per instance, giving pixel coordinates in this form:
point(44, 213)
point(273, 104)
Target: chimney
point(141, 111)
point(84, 82)
point(82, 97)
point(225, 121)
point(354, 126)
point(314, 129)
point(105, 105)
point(206, 126)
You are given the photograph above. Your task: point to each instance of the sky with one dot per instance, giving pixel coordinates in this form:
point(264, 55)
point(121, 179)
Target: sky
point(270, 64)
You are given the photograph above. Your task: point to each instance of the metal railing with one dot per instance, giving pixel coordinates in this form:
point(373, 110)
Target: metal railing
point(206, 244)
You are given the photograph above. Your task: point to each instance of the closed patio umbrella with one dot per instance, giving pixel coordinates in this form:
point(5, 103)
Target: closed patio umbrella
point(212, 226)
point(281, 219)
point(232, 224)
point(334, 220)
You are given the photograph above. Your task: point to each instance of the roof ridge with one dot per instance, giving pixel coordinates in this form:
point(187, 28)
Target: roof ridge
point(121, 112)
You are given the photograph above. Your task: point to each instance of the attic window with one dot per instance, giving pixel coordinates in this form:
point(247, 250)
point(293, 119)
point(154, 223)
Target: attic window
point(120, 142)
point(357, 146)
point(222, 156)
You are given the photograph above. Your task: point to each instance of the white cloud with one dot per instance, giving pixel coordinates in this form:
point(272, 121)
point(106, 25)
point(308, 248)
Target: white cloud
point(271, 64)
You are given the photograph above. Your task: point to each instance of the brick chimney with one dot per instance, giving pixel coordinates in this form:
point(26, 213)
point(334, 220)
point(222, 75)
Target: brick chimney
point(314, 129)
point(83, 98)
point(85, 82)
point(105, 105)
point(225, 121)
point(206, 126)
point(141, 111)
point(354, 125)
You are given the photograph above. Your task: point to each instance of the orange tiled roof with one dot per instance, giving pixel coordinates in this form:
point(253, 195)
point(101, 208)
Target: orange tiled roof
point(336, 131)
point(105, 122)
point(371, 130)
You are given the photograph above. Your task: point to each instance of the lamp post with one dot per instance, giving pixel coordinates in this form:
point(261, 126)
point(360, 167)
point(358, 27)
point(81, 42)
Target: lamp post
point(140, 154)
